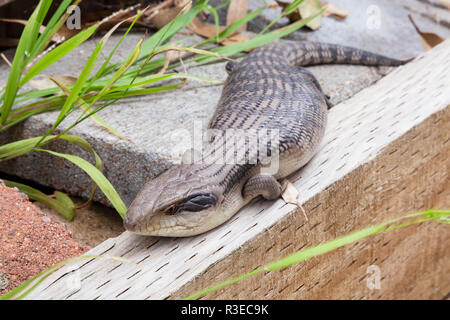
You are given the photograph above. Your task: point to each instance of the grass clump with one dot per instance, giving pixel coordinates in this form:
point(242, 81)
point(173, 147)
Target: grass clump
point(93, 92)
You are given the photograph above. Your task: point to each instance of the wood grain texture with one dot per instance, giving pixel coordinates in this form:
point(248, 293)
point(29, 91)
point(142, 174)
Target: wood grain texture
point(385, 153)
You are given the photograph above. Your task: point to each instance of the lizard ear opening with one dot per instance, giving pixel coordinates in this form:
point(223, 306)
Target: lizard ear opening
point(230, 66)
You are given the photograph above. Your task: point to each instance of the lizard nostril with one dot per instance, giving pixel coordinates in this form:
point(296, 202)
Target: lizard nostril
point(129, 224)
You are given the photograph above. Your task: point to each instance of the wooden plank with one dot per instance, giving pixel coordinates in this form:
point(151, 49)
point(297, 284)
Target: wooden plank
point(385, 153)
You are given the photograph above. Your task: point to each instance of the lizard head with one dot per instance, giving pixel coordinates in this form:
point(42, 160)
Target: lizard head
point(177, 203)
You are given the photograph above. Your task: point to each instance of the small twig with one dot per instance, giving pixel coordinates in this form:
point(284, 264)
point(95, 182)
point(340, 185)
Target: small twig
point(182, 64)
point(43, 53)
point(153, 11)
point(119, 13)
point(6, 59)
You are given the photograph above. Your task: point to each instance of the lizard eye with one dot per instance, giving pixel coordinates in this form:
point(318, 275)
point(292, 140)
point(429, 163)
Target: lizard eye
point(197, 202)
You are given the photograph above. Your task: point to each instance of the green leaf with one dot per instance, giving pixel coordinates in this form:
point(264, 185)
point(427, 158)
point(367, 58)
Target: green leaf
point(20, 114)
point(166, 32)
point(26, 287)
point(62, 204)
point(98, 161)
point(289, 9)
point(77, 87)
point(87, 108)
point(64, 199)
point(98, 178)
point(59, 52)
point(128, 63)
point(229, 30)
point(52, 27)
point(33, 32)
point(26, 41)
point(259, 40)
point(21, 147)
point(302, 255)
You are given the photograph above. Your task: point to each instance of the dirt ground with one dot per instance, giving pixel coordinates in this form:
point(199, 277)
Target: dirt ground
point(30, 241)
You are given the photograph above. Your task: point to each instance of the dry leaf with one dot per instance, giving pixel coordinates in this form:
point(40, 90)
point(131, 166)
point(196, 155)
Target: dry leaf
point(208, 30)
point(126, 16)
point(237, 10)
point(171, 55)
point(235, 38)
point(290, 195)
point(5, 2)
point(332, 10)
point(55, 38)
point(306, 9)
point(44, 82)
point(294, 16)
point(168, 11)
point(429, 40)
point(6, 59)
point(203, 29)
point(446, 3)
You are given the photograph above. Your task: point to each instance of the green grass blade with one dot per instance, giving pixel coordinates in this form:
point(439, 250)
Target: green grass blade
point(58, 53)
point(289, 9)
point(18, 64)
point(229, 30)
point(33, 31)
point(62, 204)
point(98, 161)
point(87, 108)
point(98, 178)
point(128, 63)
point(285, 12)
point(20, 115)
point(166, 32)
point(52, 27)
point(139, 92)
point(65, 200)
point(302, 255)
point(21, 147)
point(26, 287)
point(29, 95)
point(238, 23)
point(72, 99)
point(103, 69)
point(258, 40)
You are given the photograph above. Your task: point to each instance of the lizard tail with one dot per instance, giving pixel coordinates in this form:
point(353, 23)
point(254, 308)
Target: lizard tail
point(314, 53)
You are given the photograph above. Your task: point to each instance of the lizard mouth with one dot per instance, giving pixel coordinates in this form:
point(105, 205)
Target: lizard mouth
point(188, 213)
point(182, 224)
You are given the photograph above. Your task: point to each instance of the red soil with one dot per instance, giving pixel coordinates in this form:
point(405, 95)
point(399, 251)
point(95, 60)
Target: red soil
point(29, 240)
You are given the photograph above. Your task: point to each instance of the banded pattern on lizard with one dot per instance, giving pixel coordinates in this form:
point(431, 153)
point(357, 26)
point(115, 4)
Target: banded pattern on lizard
point(269, 122)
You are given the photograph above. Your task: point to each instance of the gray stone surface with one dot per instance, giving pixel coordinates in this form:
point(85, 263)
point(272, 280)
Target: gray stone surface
point(380, 26)
point(154, 123)
point(429, 15)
